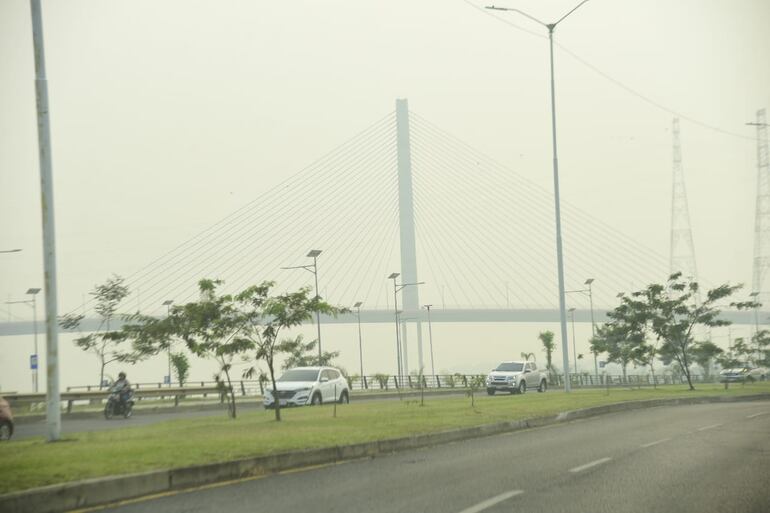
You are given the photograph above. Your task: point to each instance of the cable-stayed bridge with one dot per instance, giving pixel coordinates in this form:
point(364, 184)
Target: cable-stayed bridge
point(404, 196)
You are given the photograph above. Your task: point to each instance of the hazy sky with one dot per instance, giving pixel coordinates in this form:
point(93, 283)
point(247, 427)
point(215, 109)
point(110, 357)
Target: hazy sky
point(168, 115)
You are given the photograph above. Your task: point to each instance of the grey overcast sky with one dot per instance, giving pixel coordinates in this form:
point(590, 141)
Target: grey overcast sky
point(168, 115)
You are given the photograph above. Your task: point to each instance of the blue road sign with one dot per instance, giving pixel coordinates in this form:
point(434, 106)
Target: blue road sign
point(602, 364)
point(33, 361)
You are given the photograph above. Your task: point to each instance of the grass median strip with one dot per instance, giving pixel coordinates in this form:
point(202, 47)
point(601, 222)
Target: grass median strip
point(184, 442)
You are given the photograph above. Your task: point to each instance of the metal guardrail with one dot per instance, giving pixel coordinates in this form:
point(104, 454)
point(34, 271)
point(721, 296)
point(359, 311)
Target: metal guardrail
point(19, 400)
point(377, 382)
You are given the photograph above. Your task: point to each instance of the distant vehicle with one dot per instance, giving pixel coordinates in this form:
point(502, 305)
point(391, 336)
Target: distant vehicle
point(515, 377)
point(6, 420)
point(308, 385)
point(743, 374)
point(117, 405)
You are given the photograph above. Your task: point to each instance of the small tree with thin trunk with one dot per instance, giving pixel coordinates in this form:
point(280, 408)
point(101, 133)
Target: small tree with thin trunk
point(181, 366)
point(262, 319)
point(104, 343)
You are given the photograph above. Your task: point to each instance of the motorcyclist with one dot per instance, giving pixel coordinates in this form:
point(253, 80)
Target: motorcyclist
point(122, 387)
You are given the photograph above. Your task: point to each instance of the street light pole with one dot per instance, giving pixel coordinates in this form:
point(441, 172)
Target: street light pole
point(393, 277)
point(588, 282)
point(313, 253)
point(559, 252)
point(357, 306)
point(574, 353)
point(53, 397)
point(167, 304)
point(430, 338)
point(33, 292)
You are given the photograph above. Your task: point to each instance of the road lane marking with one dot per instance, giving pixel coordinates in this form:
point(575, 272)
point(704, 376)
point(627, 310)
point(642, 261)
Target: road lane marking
point(589, 465)
point(656, 442)
point(481, 506)
point(712, 426)
point(757, 414)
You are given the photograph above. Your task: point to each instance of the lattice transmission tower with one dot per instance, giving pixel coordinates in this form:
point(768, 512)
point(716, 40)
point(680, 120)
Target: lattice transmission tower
point(762, 219)
point(682, 246)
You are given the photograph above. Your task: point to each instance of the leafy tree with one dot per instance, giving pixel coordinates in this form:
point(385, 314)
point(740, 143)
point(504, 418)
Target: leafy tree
point(208, 328)
point(669, 312)
point(181, 366)
point(704, 353)
point(623, 342)
point(301, 354)
point(104, 343)
point(262, 318)
point(546, 337)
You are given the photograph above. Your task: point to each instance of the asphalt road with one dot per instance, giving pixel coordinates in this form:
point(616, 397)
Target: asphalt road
point(697, 458)
point(99, 423)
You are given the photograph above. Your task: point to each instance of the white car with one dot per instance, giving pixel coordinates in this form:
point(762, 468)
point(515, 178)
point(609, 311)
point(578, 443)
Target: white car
point(515, 378)
point(308, 385)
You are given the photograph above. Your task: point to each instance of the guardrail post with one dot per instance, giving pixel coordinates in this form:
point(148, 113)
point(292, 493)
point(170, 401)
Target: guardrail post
point(261, 387)
point(69, 405)
point(410, 381)
point(465, 380)
point(366, 386)
point(395, 381)
point(243, 389)
point(438, 381)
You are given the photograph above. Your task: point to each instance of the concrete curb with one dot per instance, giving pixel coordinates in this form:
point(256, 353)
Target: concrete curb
point(94, 492)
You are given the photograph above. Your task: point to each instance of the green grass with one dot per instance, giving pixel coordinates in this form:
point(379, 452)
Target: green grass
point(32, 463)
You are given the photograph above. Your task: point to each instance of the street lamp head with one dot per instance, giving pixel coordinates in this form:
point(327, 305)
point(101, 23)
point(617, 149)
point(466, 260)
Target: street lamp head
point(754, 294)
point(358, 304)
point(589, 281)
point(10, 251)
point(168, 302)
point(314, 253)
point(571, 309)
point(427, 306)
point(33, 291)
point(393, 276)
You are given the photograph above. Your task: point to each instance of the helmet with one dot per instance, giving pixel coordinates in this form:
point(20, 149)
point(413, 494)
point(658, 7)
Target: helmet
point(122, 375)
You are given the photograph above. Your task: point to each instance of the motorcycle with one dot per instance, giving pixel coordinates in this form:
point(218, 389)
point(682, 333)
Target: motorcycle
point(116, 406)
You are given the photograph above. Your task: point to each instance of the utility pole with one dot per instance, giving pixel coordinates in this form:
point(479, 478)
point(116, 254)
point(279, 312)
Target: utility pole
point(53, 411)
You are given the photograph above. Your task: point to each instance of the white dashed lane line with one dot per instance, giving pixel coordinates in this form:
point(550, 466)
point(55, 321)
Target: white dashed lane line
point(712, 426)
point(589, 465)
point(757, 414)
point(656, 442)
point(481, 506)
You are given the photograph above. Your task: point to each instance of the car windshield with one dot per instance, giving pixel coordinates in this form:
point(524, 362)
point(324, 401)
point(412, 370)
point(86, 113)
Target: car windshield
point(299, 375)
point(510, 367)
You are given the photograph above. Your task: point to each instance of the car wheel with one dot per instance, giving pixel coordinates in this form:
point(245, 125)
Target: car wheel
point(543, 386)
point(6, 430)
point(523, 387)
point(344, 398)
point(316, 399)
point(490, 391)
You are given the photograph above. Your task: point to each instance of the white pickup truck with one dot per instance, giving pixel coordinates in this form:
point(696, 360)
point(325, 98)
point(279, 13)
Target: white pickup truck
point(515, 378)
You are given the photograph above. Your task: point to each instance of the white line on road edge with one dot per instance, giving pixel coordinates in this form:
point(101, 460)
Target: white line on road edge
point(757, 414)
point(712, 426)
point(481, 506)
point(589, 465)
point(656, 442)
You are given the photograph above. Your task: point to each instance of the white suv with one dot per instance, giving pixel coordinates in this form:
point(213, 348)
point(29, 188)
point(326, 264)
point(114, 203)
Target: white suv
point(308, 385)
